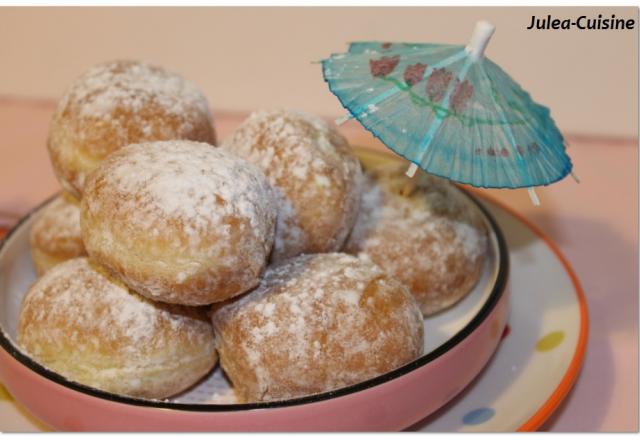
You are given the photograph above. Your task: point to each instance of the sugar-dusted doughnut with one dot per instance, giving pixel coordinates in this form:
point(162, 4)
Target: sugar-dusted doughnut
point(89, 328)
point(316, 323)
point(55, 234)
point(423, 232)
point(179, 221)
point(119, 103)
point(314, 172)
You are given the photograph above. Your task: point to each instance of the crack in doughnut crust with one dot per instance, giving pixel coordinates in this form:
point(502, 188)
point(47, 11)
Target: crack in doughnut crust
point(55, 235)
point(88, 327)
point(422, 232)
point(315, 175)
point(316, 323)
point(179, 221)
point(120, 103)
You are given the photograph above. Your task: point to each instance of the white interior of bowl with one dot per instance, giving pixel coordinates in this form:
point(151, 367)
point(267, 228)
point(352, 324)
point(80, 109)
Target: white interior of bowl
point(17, 273)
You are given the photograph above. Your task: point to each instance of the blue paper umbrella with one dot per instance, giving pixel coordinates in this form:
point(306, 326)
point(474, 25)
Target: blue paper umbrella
point(450, 111)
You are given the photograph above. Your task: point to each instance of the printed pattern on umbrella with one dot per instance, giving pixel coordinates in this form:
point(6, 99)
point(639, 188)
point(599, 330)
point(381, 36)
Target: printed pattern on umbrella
point(437, 85)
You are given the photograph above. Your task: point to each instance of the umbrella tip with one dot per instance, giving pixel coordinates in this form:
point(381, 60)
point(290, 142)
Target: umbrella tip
point(411, 171)
point(534, 197)
point(575, 177)
point(341, 120)
point(480, 38)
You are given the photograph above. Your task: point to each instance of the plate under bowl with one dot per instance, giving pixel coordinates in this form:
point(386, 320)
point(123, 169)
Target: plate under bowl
point(459, 342)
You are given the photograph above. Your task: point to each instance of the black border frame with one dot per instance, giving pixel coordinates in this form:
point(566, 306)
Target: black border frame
point(494, 297)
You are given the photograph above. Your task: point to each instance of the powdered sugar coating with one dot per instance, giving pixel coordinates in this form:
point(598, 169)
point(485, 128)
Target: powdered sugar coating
point(119, 103)
point(179, 221)
point(423, 232)
point(316, 323)
point(84, 325)
point(315, 175)
point(55, 234)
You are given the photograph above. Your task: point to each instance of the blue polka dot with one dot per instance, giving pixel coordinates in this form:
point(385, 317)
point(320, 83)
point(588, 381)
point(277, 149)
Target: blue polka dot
point(478, 416)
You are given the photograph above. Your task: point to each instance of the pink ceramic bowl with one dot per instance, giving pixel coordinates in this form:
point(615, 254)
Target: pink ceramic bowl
point(459, 344)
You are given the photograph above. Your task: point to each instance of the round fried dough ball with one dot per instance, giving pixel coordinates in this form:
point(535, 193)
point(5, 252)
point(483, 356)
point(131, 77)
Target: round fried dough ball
point(314, 172)
point(55, 234)
point(119, 103)
point(423, 232)
point(89, 328)
point(316, 323)
point(179, 221)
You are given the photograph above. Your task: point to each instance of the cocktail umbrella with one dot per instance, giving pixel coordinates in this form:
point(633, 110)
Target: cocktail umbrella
point(451, 111)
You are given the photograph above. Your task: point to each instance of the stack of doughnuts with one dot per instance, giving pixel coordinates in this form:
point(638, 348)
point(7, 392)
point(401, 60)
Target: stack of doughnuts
point(81, 319)
point(273, 253)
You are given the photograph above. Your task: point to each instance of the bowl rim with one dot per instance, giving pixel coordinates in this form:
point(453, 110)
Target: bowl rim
point(496, 294)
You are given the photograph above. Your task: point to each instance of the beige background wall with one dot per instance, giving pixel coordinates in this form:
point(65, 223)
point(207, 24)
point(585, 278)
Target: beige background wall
point(246, 58)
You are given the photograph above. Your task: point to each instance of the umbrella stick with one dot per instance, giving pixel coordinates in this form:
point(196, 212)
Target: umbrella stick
point(480, 38)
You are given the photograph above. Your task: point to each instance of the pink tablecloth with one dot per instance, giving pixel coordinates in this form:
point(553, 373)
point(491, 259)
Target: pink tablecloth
point(594, 224)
